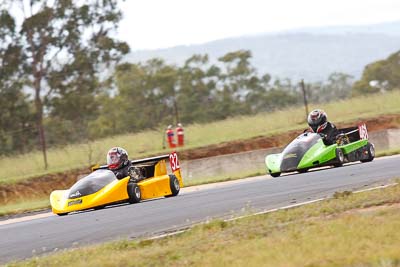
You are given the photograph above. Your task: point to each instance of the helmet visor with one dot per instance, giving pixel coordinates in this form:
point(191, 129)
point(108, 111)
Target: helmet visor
point(113, 159)
point(314, 119)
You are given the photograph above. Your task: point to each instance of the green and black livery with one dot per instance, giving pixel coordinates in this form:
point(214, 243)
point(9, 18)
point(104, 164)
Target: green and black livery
point(308, 151)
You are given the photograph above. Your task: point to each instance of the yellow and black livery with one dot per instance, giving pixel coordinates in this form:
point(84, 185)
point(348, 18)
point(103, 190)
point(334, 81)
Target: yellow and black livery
point(101, 187)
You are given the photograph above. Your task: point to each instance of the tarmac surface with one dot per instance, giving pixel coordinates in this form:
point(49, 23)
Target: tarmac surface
point(25, 237)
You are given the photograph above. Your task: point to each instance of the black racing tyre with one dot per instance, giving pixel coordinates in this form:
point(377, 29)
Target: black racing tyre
point(134, 193)
point(276, 174)
point(302, 170)
point(371, 153)
point(339, 158)
point(174, 185)
point(62, 214)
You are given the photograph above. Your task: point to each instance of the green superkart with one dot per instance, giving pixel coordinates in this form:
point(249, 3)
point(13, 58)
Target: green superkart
point(308, 151)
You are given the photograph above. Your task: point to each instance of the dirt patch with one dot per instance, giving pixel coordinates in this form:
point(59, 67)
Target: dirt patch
point(373, 209)
point(39, 186)
point(42, 186)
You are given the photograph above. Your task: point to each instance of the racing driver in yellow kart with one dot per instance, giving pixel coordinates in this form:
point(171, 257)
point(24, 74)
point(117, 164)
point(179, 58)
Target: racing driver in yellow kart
point(121, 166)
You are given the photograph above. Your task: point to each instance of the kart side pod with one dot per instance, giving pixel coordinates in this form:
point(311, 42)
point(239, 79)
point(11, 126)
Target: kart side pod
point(162, 184)
point(101, 188)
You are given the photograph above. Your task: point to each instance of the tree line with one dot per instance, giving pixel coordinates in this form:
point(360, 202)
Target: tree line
point(380, 76)
point(62, 82)
point(146, 95)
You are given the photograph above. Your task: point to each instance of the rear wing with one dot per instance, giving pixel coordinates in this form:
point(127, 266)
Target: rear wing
point(153, 160)
point(150, 161)
point(155, 166)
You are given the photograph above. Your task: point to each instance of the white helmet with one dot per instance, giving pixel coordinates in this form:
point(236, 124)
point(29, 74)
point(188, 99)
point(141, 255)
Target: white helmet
point(317, 120)
point(116, 158)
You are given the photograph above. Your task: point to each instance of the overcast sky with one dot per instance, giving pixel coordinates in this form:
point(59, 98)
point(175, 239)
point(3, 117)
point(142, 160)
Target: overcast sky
point(151, 24)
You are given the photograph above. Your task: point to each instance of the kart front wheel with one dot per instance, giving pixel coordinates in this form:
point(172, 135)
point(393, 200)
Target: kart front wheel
point(275, 174)
point(339, 158)
point(134, 193)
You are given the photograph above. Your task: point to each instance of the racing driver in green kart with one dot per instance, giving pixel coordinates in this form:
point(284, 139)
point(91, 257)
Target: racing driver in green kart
point(318, 122)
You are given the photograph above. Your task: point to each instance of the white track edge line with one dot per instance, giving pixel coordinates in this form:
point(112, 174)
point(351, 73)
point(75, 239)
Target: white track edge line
point(266, 211)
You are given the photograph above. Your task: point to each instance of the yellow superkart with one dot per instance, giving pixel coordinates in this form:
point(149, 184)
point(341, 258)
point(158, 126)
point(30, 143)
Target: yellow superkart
point(101, 187)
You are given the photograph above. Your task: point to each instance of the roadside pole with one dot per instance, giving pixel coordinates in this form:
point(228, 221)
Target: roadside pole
point(304, 96)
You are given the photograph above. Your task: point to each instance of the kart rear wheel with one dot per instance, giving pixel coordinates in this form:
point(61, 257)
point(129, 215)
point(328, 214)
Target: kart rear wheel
point(371, 153)
point(174, 185)
point(339, 158)
point(276, 174)
point(134, 193)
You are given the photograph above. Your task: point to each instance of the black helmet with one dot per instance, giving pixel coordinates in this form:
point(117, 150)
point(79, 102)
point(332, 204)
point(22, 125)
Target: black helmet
point(116, 158)
point(317, 120)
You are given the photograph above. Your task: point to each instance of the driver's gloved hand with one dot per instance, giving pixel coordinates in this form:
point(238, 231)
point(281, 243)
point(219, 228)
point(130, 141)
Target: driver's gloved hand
point(342, 139)
point(135, 174)
point(340, 135)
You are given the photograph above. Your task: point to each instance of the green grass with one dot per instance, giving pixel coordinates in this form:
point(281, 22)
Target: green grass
point(25, 205)
point(150, 142)
point(349, 230)
point(389, 152)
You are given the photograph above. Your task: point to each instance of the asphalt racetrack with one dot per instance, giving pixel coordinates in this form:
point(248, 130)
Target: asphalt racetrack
point(24, 239)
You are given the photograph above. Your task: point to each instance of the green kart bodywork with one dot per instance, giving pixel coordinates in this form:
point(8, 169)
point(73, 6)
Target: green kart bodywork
point(309, 151)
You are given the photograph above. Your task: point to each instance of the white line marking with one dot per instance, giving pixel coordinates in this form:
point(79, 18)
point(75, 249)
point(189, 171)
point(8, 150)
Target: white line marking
point(307, 202)
point(26, 218)
point(166, 235)
point(375, 188)
point(266, 211)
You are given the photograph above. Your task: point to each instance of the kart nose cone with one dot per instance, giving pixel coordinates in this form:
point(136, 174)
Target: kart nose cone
point(290, 162)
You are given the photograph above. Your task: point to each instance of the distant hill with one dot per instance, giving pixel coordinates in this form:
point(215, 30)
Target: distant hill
point(309, 53)
point(388, 28)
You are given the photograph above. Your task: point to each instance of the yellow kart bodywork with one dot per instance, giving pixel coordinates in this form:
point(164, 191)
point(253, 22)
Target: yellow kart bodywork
point(159, 185)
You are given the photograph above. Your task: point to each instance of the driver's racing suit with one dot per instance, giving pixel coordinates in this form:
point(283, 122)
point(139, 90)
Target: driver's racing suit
point(129, 170)
point(328, 134)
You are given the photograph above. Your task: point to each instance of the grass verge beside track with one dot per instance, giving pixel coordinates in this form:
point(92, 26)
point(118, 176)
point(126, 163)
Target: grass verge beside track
point(388, 152)
point(27, 205)
point(348, 230)
point(197, 135)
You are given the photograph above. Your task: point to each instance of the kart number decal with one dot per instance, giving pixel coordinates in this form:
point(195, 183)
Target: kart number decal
point(173, 161)
point(362, 129)
point(75, 202)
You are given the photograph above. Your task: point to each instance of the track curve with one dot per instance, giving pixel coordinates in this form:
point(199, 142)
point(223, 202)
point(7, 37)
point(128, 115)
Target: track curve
point(195, 204)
